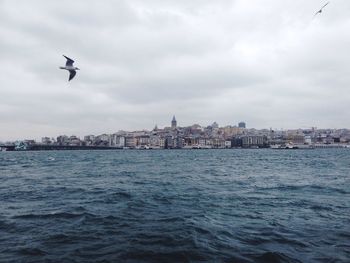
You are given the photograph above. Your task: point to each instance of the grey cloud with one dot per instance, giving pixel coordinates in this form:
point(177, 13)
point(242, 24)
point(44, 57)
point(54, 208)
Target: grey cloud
point(268, 63)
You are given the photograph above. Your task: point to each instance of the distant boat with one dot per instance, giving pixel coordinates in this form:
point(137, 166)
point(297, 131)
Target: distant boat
point(275, 146)
point(291, 146)
point(304, 146)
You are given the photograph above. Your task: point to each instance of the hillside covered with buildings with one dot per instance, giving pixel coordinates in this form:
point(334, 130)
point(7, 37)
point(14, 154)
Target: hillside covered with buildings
point(198, 137)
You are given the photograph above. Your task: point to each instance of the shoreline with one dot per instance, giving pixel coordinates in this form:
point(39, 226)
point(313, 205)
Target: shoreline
point(109, 148)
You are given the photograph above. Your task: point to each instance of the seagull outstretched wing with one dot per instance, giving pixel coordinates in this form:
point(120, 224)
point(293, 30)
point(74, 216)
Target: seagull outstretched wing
point(320, 11)
point(69, 61)
point(324, 5)
point(71, 74)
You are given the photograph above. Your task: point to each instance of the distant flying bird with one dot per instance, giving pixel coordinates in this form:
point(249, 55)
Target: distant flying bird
point(320, 11)
point(69, 66)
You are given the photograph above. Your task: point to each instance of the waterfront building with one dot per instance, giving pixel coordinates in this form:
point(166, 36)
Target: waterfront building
point(202, 142)
point(74, 141)
point(142, 141)
point(130, 142)
point(236, 142)
point(118, 140)
point(103, 137)
point(62, 140)
point(228, 144)
point(89, 138)
point(168, 142)
point(249, 141)
point(191, 141)
point(345, 139)
point(46, 140)
point(308, 139)
point(296, 138)
point(178, 142)
point(154, 141)
point(209, 143)
point(218, 143)
point(162, 142)
point(103, 140)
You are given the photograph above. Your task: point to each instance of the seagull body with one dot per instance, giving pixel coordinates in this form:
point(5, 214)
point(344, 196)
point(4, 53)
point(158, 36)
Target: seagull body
point(69, 66)
point(320, 11)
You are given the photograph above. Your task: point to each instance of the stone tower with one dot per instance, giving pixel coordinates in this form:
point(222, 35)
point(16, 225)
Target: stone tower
point(173, 123)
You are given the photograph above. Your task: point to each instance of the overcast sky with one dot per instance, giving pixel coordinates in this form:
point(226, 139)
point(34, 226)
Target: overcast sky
point(265, 62)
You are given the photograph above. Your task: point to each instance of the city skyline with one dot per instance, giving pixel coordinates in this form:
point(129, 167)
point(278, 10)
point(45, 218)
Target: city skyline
point(267, 63)
point(165, 125)
point(173, 124)
point(191, 137)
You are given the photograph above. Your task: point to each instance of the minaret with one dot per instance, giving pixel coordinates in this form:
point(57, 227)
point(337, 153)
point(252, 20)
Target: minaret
point(173, 123)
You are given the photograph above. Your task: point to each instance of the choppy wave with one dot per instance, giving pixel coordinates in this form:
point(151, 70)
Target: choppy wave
point(175, 206)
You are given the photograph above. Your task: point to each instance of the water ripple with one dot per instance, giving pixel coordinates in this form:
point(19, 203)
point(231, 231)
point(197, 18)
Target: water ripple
point(175, 206)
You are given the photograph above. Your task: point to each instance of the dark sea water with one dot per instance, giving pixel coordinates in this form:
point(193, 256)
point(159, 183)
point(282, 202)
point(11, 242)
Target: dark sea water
point(175, 206)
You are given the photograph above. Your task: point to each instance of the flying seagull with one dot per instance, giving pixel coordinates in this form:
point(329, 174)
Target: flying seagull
point(320, 11)
point(69, 66)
